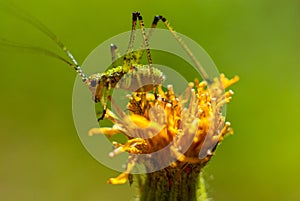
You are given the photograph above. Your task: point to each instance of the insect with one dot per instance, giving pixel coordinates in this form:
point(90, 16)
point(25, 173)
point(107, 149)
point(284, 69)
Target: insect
point(101, 84)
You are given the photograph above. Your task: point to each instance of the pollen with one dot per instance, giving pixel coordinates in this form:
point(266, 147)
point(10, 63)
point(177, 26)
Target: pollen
point(189, 126)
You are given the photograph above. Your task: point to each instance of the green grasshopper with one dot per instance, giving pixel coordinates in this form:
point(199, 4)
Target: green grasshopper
point(101, 84)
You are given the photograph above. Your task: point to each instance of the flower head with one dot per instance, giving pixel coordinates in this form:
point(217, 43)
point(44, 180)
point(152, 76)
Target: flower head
point(187, 128)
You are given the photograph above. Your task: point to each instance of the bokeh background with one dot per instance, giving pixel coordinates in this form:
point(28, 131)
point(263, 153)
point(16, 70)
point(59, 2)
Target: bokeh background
point(41, 156)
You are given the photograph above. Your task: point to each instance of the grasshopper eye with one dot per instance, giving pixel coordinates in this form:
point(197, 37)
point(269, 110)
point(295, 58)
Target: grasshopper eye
point(93, 83)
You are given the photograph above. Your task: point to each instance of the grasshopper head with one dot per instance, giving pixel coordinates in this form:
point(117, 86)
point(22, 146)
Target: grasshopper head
point(94, 85)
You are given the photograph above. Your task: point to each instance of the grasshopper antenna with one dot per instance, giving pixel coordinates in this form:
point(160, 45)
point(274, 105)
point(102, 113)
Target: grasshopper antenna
point(37, 49)
point(44, 29)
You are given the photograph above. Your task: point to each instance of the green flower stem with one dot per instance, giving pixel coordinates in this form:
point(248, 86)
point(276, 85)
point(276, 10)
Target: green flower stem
point(173, 184)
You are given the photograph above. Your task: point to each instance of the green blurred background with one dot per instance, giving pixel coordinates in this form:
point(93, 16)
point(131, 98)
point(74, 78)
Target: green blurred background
point(41, 155)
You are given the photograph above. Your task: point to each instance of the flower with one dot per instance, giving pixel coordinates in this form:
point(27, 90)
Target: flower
point(188, 127)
